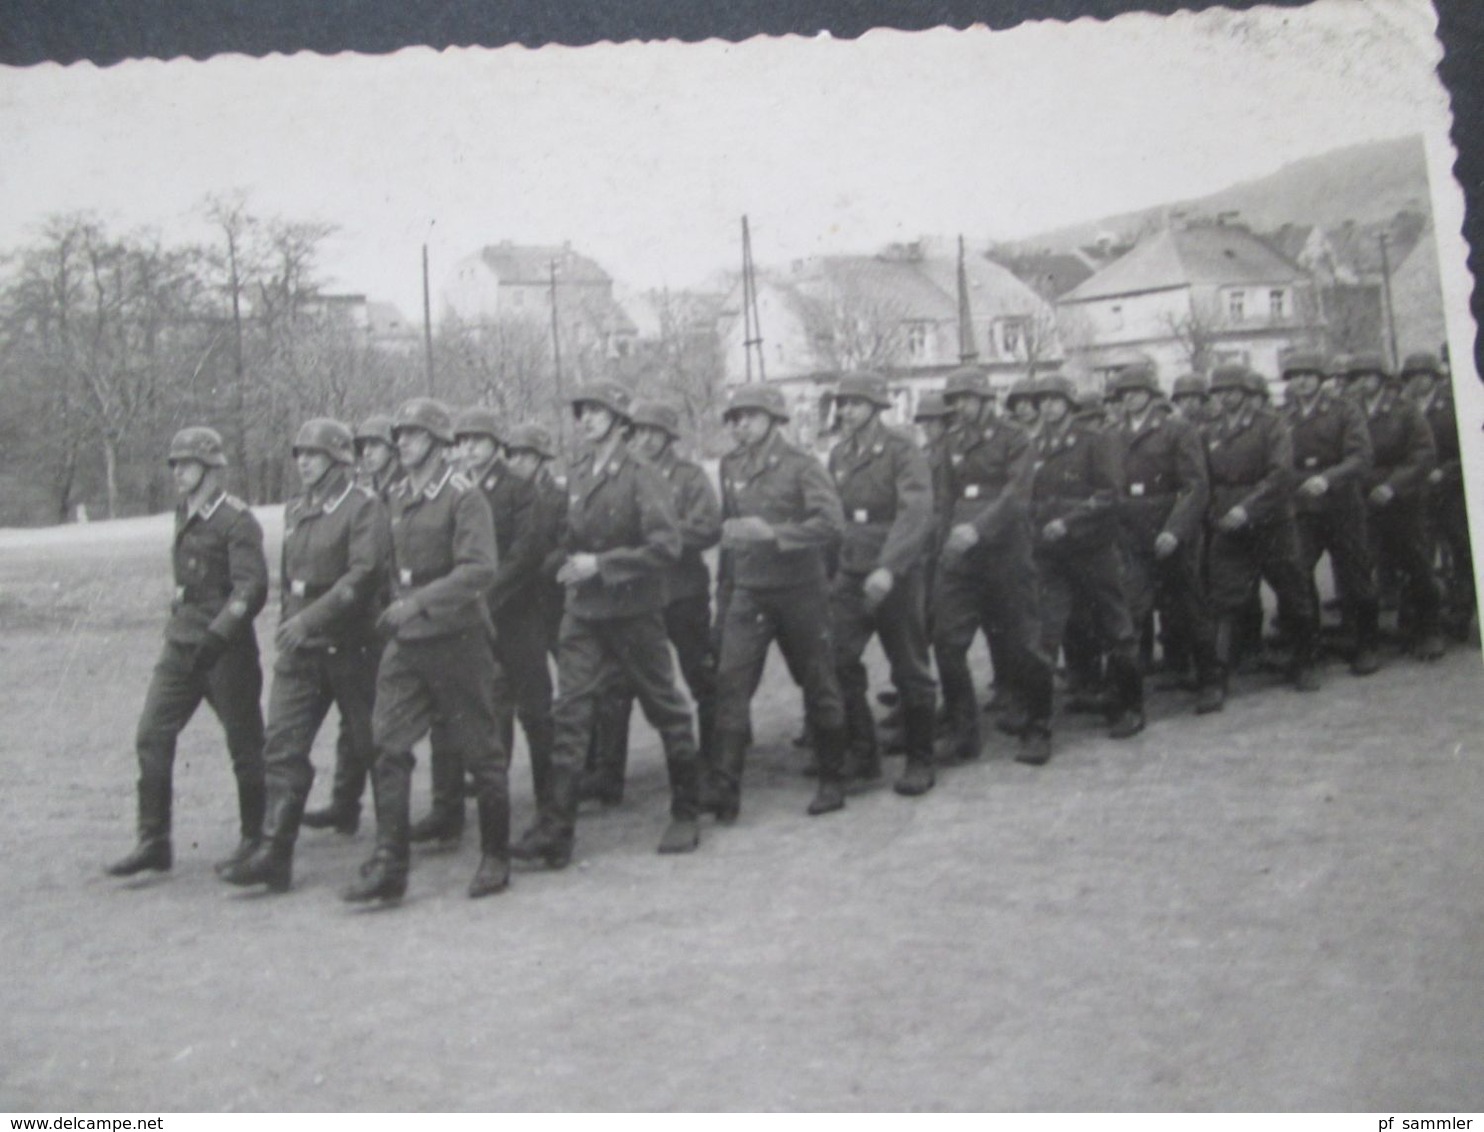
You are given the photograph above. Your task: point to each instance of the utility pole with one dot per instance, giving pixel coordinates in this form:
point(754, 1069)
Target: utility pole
point(428, 324)
point(556, 353)
point(967, 350)
point(752, 327)
point(1386, 298)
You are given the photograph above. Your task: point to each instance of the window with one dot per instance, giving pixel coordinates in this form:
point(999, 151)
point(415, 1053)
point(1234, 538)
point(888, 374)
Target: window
point(1236, 305)
point(1012, 337)
point(1278, 303)
point(1115, 316)
point(917, 339)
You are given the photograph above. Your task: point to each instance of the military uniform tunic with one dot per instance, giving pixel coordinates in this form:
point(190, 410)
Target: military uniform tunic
point(1450, 520)
point(221, 584)
point(1404, 456)
point(991, 586)
point(778, 589)
point(613, 631)
point(1330, 439)
point(886, 493)
point(336, 552)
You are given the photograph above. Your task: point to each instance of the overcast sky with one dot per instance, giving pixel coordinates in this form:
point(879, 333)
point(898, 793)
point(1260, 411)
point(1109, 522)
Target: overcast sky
point(645, 156)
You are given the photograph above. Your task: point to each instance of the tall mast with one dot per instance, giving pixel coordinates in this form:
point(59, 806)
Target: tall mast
point(752, 327)
point(967, 351)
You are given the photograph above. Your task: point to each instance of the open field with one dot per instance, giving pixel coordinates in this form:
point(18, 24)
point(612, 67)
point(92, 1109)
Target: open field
point(1278, 907)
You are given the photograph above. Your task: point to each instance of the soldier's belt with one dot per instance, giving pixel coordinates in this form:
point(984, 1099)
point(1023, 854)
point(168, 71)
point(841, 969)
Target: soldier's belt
point(412, 579)
point(309, 591)
point(864, 515)
point(982, 491)
point(201, 595)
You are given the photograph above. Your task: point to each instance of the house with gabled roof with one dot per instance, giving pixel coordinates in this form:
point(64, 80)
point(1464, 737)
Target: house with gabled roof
point(509, 280)
point(1192, 298)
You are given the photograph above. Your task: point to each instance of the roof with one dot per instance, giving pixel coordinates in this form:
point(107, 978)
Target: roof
point(1052, 274)
point(531, 264)
point(385, 318)
point(1220, 255)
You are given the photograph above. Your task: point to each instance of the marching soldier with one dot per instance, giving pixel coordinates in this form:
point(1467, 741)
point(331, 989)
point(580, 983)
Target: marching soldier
point(934, 418)
point(1191, 397)
point(1429, 387)
point(336, 546)
point(780, 515)
point(656, 428)
point(886, 493)
point(1075, 494)
point(1404, 456)
point(529, 452)
point(987, 575)
point(1162, 516)
point(1332, 452)
point(210, 652)
point(377, 469)
point(1253, 537)
point(1020, 401)
point(621, 538)
point(439, 663)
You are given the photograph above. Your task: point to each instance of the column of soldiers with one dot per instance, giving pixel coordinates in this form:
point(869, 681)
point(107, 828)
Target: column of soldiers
point(432, 563)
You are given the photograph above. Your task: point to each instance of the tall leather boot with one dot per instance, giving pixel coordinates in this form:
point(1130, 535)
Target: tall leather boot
point(252, 803)
point(1210, 677)
point(493, 874)
point(443, 827)
point(963, 742)
point(550, 842)
point(1304, 668)
point(1128, 687)
point(722, 793)
point(683, 834)
point(1367, 659)
point(384, 877)
point(829, 793)
point(608, 756)
point(540, 738)
point(153, 851)
point(272, 863)
point(343, 814)
point(862, 767)
point(918, 777)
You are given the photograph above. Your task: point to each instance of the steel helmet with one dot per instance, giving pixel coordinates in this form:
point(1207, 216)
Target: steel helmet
point(478, 420)
point(764, 398)
point(531, 438)
point(930, 407)
point(1190, 385)
point(1136, 376)
point(1421, 363)
point(1022, 390)
point(968, 380)
point(199, 443)
point(1366, 363)
point(331, 437)
point(1056, 385)
point(1229, 375)
point(865, 387)
point(427, 414)
point(376, 427)
point(609, 394)
point(663, 415)
point(1297, 362)
point(1257, 385)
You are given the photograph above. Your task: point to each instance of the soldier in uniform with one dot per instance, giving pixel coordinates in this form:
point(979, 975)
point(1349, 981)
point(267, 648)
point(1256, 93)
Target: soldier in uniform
point(378, 470)
point(210, 652)
point(1162, 517)
point(1253, 536)
point(780, 514)
point(1429, 387)
point(1191, 397)
point(987, 575)
point(529, 451)
point(886, 493)
point(621, 539)
point(1075, 493)
point(1020, 402)
point(1404, 455)
point(336, 546)
point(439, 662)
point(687, 615)
point(1332, 453)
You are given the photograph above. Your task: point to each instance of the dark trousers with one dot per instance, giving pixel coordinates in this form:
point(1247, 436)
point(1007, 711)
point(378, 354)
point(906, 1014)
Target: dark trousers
point(1173, 586)
point(993, 590)
point(798, 618)
point(232, 688)
point(521, 649)
point(900, 620)
point(1450, 522)
point(1399, 530)
point(1089, 580)
point(688, 626)
point(452, 681)
point(1339, 527)
point(595, 656)
point(1239, 561)
point(306, 682)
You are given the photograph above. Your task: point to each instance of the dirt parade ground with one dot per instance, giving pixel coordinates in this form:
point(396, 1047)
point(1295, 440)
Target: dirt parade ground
point(1280, 907)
